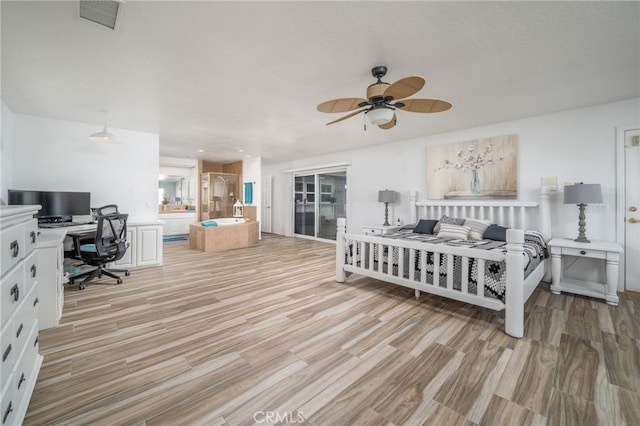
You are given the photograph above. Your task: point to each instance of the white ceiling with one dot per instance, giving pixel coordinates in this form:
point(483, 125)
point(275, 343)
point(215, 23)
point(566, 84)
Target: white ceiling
point(230, 76)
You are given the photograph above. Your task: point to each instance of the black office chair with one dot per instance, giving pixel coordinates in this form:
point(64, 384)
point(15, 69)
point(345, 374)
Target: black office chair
point(109, 245)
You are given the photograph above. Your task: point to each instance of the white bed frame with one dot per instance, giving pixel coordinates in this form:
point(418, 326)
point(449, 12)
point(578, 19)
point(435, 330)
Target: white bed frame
point(515, 215)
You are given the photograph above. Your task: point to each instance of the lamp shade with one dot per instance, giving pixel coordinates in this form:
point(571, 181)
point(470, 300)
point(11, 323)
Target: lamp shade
point(386, 196)
point(104, 136)
point(380, 115)
point(583, 193)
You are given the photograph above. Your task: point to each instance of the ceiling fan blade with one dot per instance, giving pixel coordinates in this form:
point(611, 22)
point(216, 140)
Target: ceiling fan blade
point(390, 124)
point(347, 116)
point(425, 105)
point(405, 87)
point(341, 105)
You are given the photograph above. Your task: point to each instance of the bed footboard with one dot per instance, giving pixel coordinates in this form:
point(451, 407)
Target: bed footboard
point(374, 257)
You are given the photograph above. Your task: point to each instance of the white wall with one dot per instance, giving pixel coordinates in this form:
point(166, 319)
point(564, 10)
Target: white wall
point(56, 155)
point(252, 172)
point(576, 145)
point(6, 152)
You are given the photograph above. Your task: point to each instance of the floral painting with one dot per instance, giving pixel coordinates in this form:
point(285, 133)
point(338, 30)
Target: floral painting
point(477, 169)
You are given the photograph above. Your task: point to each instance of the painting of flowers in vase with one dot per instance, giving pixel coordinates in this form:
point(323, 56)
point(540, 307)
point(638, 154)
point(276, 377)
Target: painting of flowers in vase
point(477, 169)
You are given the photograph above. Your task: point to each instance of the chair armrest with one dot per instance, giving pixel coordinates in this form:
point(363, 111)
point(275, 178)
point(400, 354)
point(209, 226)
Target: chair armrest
point(77, 237)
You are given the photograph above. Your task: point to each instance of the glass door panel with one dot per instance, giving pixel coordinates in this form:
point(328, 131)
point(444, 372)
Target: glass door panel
point(332, 202)
point(304, 205)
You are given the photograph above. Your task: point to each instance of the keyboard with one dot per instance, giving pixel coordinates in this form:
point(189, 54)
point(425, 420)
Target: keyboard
point(59, 224)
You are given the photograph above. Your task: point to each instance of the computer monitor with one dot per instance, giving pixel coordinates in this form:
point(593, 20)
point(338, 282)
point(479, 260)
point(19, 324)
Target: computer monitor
point(62, 204)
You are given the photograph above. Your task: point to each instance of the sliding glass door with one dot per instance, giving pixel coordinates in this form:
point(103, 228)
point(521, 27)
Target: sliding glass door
point(319, 200)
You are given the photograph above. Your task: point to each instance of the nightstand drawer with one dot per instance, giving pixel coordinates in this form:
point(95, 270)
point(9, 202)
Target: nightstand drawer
point(376, 230)
point(594, 254)
point(373, 231)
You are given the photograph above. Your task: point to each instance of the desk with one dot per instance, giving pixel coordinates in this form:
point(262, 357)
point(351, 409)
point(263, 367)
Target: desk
point(144, 237)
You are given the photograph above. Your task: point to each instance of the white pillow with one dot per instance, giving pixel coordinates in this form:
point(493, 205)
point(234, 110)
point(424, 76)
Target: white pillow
point(458, 232)
point(478, 226)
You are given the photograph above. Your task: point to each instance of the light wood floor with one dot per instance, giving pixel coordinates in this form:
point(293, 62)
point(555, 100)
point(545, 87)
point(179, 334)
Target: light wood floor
point(265, 335)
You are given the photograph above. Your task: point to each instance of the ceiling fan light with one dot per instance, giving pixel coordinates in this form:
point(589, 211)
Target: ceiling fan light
point(380, 115)
point(104, 136)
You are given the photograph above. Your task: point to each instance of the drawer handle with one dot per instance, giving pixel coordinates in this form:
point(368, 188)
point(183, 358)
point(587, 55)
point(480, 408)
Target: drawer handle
point(583, 252)
point(6, 353)
point(35, 302)
point(22, 379)
point(19, 330)
point(35, 342)
point(15, 248)
point(6, 413)
point(33, 237)
point(34, 271)
point(15, 292)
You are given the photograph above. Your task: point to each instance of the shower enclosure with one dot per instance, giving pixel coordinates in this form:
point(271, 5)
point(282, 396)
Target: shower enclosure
point(219, 192)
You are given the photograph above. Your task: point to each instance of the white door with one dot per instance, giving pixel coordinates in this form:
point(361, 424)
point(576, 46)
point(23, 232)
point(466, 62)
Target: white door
point(266, 204)
point(632, 209)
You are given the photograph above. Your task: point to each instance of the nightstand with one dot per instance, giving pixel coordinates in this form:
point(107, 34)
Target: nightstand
point(379, 229)
point(606, 251)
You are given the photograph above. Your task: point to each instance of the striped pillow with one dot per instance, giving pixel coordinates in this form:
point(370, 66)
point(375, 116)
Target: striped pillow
point(457, 232)
point(449, 220)
point(478, 226)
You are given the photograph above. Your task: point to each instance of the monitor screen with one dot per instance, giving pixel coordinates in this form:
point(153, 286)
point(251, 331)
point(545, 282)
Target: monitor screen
point(54, 203)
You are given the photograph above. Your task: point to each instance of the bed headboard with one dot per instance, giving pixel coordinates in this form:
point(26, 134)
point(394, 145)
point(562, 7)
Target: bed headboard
point(533, 215)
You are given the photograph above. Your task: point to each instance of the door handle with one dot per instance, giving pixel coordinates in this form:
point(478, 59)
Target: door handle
point(633, 209)
point(633, 220)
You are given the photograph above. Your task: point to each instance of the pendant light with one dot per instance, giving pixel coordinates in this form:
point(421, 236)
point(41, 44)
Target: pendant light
point(104, 136)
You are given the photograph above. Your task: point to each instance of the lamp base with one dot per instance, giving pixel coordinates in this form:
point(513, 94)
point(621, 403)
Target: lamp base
point(386, 215)
point(582, 238)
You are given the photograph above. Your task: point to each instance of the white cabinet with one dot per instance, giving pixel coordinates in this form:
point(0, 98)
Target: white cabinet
point(50, 248)
point(177, 223)
point(19, 304)
point(145, 246)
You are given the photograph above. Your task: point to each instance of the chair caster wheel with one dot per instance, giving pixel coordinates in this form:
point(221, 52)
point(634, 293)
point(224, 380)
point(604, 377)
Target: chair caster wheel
point(119, 281)
point(81, 287)
point(126, 274)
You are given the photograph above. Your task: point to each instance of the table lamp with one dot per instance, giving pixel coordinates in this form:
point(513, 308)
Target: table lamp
point(582, 194)
point(386, 197)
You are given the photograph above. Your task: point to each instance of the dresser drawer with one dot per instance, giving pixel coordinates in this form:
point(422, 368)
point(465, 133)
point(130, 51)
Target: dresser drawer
point(30, 236)
point(12, 291)
point(8, 405)
point(25, 319)
point(12, 247)
point(30, 271)
point(8, 352)
point(24, 372)
point(594, 254)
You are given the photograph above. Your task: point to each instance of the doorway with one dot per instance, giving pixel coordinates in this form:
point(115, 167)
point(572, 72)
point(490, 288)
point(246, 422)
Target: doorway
point(629, 203)
point(319, 199)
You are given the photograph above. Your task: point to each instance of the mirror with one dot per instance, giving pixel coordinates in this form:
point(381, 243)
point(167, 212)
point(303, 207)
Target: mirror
point(175, 190)
point(177, 184)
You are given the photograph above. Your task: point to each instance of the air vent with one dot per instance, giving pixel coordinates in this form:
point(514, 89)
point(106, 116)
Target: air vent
point(103, 12)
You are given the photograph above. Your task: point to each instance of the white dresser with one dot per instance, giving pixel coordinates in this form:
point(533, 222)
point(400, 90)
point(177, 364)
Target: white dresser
point(50, 248)
point(19, 305)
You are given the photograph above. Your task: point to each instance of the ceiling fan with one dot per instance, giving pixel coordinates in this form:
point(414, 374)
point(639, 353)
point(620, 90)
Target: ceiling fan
point(383, 99)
